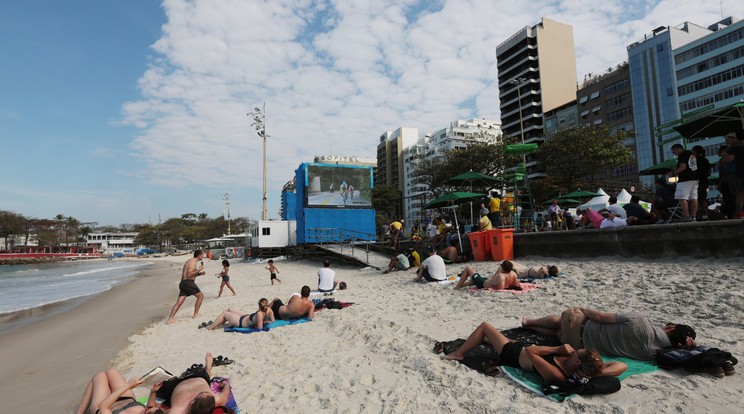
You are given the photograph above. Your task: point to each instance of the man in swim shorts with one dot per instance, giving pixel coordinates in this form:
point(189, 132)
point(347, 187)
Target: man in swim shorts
point(504, 278)
point(298, 306)
point(188, 286)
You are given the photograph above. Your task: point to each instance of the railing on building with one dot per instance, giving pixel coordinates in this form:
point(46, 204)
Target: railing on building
point(352, 239)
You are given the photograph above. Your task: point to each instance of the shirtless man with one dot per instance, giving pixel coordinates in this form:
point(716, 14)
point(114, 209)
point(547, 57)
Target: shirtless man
point(297, 307)
point(504, 278)
point(192, 393)
point(188, 287)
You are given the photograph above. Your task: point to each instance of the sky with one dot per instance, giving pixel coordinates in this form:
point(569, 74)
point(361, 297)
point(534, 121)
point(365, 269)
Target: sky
point(136, 111)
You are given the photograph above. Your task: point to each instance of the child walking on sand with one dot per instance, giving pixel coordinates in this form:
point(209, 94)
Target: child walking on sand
point(225, 278)
point(273, 270)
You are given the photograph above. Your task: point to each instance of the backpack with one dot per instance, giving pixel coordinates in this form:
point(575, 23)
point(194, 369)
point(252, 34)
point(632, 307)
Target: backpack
point(693, 358)
point(597, 385)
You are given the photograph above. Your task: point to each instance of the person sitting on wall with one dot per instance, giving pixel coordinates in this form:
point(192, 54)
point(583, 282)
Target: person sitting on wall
point(635, 209)
point(663, 200)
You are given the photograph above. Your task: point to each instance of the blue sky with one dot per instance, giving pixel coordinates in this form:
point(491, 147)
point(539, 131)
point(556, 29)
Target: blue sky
point(121, 111)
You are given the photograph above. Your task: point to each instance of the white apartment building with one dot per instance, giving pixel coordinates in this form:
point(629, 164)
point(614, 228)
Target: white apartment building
point(119, 242)
point(434, 146)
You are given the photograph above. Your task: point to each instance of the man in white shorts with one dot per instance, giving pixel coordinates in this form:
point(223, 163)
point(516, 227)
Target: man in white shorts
point(687, 181)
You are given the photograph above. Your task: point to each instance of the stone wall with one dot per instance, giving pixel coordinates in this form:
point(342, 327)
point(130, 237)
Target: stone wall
point(703, 239)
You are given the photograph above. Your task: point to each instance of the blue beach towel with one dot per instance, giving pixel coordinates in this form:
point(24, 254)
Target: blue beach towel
point(267, 327)
point(533, 382)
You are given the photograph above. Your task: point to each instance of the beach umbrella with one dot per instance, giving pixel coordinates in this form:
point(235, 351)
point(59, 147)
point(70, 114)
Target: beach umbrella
point(660, 168)
point(520, 149)
point(565, 201)
point(714, 123)
point(579, 194)
point(470, 179)
point(454, 199)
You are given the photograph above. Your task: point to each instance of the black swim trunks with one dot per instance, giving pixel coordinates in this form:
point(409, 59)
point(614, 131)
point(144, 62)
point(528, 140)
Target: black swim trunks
point(275, 307)
point(273, 276)
point(510, 354)
point(188, 287)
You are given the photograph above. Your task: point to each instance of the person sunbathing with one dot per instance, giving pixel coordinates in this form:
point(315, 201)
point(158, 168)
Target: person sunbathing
point(239, 319)
point(191, 392)
point(504, 278)
point(297, 306)
point(108, 392)
point(555, 364)
point(541, 272)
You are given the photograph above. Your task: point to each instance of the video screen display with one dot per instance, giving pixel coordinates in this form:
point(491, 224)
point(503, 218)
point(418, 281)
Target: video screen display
point(335, 186)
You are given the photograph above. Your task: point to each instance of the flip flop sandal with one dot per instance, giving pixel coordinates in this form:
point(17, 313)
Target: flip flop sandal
point(490, 370)
point(439, 347)
point(220, 360)
point(204, 325)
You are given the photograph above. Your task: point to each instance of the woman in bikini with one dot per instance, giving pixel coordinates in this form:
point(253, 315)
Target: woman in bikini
point(109, 393)
point(555, 364)
point(242, 320)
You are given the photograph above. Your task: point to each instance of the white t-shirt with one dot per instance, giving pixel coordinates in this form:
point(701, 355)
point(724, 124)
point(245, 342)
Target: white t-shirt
point(432, 230)
point(435, 265)
point(617, 210)
point(325, 278)
point(614, 222)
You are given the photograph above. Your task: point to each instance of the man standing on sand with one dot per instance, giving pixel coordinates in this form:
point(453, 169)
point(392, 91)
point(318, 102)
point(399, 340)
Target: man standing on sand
point(188, 287)
point(297, 307)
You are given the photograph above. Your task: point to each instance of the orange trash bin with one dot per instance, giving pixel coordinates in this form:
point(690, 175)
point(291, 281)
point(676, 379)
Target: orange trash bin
point(480, 245)
point(501, 242)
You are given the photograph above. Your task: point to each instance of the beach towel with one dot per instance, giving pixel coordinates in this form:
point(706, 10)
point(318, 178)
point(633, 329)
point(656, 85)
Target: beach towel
point(330, 304)
point(525, 287)
point(483, 357)
point(533, 382)
point(216, 385)
point(268, 326)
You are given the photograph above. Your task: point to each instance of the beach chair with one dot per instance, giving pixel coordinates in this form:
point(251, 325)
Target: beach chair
point(675, 214)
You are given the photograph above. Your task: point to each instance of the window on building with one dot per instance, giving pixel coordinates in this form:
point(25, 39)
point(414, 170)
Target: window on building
point(266, 231)
point(583, 99)
point(595, 95)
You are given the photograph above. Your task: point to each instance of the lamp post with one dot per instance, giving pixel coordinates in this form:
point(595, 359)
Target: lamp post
point(519, 82)
point(259, 122)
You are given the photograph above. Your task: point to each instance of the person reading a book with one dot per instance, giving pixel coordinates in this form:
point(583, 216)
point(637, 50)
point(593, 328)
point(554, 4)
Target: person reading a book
point(109, 393)
point(239, 319)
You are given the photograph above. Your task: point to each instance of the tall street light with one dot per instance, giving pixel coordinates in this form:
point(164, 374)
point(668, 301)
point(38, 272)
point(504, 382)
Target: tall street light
point(519, 82)
point(259, 122)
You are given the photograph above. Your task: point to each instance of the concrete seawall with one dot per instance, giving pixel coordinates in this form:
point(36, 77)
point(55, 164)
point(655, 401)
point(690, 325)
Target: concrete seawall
point(697, 239)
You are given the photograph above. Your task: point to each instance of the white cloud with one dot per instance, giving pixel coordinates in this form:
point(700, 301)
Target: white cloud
point(338, 73)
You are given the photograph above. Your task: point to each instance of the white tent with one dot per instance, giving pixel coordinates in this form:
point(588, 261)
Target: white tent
point(597, 203)
point(623, 197)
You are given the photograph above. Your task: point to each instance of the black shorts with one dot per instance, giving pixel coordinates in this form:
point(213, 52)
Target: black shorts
point(428, 277)
point(275, 308)
point(166, 390)
point(510, 354)
point(225, 279)
point(273, 276)
point(188, 287)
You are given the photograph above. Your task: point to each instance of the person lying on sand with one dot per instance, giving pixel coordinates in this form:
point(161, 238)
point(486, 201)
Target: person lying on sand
point(239, 319)
point(297, 306)
point(555, 364)
point(541, 272)
point(630, 335)
point(108, 392)
point(192, 393)
point(503, 278)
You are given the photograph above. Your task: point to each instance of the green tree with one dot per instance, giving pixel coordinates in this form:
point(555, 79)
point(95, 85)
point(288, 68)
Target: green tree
point(149, 235)
point(577, 157)
point(11, 224)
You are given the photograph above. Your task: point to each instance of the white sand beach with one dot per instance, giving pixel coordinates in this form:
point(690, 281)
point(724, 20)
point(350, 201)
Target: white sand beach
point(376, 356)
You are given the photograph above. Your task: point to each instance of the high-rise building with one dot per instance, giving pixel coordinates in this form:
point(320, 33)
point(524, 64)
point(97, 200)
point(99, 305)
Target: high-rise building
point(710, 75)
point(537, 73)
point(653, 85)
point(390, 158)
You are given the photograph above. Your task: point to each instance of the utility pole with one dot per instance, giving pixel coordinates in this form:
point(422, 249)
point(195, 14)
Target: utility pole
point(227, 202)
point(259, 123)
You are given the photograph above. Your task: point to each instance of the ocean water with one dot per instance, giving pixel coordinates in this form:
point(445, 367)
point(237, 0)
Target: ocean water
point(26, 287)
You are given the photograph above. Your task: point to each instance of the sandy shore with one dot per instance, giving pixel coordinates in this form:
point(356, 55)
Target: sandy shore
point(376, 355)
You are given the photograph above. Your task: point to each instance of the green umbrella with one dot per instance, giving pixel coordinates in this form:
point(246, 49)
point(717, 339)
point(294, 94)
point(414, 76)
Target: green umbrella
point(579, 194)
point(453, 199)
point(567, 201)
point(660, 168)
point(520, 149)
point(472, 178)
point(714, 123)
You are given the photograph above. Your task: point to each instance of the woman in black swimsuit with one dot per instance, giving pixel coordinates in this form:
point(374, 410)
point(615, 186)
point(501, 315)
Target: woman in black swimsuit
point(108, 393)
point(555, 364)
point(243, 320)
